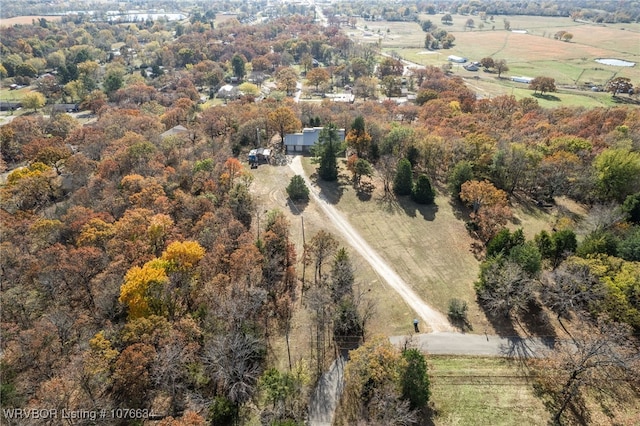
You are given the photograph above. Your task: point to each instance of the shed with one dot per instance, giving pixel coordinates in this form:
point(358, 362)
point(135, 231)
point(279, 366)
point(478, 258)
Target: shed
point(522, 79)
point(259, 155)
point(303, 141)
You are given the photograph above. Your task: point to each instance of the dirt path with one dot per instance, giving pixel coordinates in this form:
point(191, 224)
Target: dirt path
point(433, 319)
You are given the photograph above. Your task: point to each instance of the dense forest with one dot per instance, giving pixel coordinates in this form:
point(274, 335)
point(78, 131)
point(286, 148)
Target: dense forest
point(134, 272)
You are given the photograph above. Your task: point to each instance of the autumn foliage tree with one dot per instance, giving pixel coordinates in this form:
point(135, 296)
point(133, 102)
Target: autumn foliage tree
point(284, 121)
point(357, 138)
point(542, 85)
point(317, 76)
point(490, 210)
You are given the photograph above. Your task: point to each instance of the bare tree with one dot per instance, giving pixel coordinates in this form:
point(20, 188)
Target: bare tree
point(322, 245)
point(387, 168)
point(234, 361)
point(388, 408)
point(570, 289)
point(600, 358)
point(318, 300)
point(602, 217)
point(507, 288)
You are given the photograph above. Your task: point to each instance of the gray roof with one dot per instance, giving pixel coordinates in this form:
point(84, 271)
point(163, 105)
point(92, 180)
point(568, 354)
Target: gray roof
point(308, 137)
point(177, 130)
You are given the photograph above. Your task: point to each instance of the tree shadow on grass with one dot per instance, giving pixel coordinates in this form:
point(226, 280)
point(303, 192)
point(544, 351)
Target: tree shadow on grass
point(364, 191)
point(331, 192)
point(389, 203)
point(297, 207)
point(503, 325)
point(537, 323)
point(460, 212)
point(546, 97)
point(625, 100)
point(461, 324)
point(412, 209)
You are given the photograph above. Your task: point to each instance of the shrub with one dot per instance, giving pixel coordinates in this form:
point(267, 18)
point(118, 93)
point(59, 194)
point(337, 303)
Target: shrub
point(458, 310)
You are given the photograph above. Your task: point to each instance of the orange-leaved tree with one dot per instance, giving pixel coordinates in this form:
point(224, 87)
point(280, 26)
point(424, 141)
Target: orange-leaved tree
point(490, 210)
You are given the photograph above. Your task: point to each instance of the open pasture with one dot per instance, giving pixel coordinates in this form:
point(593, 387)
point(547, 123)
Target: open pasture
point(533, 52)
point(26, 20)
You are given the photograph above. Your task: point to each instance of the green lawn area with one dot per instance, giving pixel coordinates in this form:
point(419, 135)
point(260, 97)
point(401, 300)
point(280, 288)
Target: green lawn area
point(482, 391)
point(13, 95)
point(428, 246)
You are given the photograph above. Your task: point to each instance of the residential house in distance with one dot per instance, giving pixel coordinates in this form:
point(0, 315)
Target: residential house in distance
point(178, 130)
point(301, 143)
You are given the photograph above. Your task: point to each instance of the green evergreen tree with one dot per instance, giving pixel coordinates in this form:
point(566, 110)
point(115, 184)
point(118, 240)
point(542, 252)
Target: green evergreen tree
point(326, 153)
point(403, 182)
point(297, 189)
point(462, 172)
point(422, 192)
point(238, 63)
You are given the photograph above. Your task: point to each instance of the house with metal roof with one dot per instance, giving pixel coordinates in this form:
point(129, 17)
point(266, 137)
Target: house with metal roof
point(303, 141)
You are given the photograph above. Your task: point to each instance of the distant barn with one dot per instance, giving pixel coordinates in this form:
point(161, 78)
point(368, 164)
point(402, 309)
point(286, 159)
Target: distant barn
point(522, 79)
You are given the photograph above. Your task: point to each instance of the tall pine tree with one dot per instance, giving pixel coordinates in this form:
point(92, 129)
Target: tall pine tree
point(326, 150)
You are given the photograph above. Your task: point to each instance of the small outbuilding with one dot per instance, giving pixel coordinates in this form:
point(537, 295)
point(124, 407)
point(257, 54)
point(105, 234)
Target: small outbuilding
point(522, 79)
point(456, 59)
point(259, 156)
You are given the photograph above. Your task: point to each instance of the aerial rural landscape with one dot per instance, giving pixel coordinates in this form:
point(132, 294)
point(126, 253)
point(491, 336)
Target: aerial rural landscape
point(320, 213)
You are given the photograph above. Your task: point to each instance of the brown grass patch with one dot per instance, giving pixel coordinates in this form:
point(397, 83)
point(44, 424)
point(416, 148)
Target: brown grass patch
point(27, 20)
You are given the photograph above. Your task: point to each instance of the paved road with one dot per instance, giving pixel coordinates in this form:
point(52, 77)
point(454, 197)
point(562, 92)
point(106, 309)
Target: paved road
point(431, 317)
point(326, 395)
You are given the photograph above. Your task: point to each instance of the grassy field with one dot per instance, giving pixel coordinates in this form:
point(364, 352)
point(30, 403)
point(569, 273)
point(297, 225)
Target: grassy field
point(482, 391)
point(26, 20)
point(392, 315)
point(428, 246)
point(534, 53)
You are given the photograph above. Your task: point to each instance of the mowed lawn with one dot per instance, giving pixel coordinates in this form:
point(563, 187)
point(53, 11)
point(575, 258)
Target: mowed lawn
point(392, 316)
point(482, 391)
point(428, 246)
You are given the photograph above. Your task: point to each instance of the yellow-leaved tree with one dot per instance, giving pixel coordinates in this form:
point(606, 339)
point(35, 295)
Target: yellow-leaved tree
point(135, 292)
point(161, 286)
point(182, 256)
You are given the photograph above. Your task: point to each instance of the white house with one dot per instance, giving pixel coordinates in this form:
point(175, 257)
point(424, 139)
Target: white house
point(303, 141)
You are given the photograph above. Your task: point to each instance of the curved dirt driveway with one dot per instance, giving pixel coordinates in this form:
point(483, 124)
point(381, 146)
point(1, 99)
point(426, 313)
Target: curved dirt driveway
point(433, 319)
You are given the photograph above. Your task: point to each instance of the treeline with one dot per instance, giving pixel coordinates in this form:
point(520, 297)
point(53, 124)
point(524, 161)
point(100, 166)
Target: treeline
point(597, 11)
